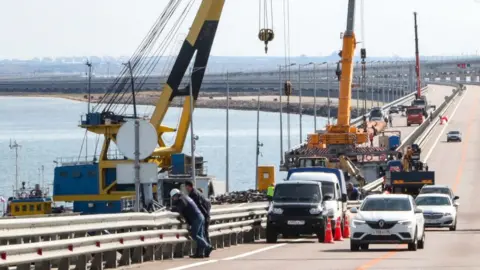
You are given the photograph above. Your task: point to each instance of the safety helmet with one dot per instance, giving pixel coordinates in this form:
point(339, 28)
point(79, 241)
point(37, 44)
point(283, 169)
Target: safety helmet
point(174, 192)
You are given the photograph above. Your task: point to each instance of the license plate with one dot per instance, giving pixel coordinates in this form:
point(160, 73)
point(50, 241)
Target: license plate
point(381, 232)
point(430, 221)
point(296, 222)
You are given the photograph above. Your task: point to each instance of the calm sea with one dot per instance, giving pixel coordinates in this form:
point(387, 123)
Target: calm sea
point(47, 128)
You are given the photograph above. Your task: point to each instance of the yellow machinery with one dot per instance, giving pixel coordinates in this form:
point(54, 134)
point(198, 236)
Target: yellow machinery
point(92, 185)
point(266, 177)
point(342, 133)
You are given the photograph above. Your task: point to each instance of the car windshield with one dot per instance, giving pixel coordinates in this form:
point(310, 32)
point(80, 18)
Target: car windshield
point(376, 113)
point(454, 133)
point(297, 193)
point(386, 204)
point(414, 111)
point(435, 190)
point(432, 200)
point(419, 102)
point(328, 188)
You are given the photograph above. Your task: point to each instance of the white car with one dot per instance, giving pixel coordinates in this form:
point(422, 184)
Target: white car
point(387, 219)
point(439, 210)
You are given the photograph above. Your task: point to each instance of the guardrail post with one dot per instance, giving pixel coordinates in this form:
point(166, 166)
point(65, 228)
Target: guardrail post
point(188, 247)
point(137, 255)
point(178, 250)
point(81, 263)
point(249, 236)
point(168, 251)
point(23, 266)
point(97, 262)
point(125, 259)
point(149, 253)
point(234, 238)
point(226, 240)
point(262, 230)
point(110, 259)
point(158, 252)
point(220, 241)
point(64, 264)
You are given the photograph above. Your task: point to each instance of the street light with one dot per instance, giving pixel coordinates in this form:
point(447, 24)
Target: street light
point(281, 111)
point(300, 96)
point(315, 95)
point(192, 136)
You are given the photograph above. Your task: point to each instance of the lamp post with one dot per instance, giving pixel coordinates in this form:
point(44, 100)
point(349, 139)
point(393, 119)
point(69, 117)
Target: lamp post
point(192, 136)
point(281, 110)
point(300, 97)
point(315, 95)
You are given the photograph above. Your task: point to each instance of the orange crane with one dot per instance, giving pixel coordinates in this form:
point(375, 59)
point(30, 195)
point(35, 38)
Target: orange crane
point(342, 138)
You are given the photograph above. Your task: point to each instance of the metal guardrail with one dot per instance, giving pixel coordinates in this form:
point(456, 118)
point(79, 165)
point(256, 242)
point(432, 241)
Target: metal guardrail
point(417, 134)
point(151, 236)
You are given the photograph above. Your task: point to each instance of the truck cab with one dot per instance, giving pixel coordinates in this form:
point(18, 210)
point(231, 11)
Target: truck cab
point(334, 188)
point(415, 115)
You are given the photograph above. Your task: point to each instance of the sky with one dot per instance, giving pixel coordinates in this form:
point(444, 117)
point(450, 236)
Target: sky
point(55, 28)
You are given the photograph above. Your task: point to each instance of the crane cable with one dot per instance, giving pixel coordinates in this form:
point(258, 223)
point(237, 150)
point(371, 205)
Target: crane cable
point(265, 33)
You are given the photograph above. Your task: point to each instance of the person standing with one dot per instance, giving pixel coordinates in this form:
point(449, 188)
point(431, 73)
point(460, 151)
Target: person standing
point(203, 205)
point(270, 192)
point(187, 208)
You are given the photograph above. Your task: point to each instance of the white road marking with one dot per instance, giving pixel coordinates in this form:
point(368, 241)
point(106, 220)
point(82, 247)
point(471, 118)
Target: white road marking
point(193, 265)
point(236, 256)
point(259, 250)
point(444, 127)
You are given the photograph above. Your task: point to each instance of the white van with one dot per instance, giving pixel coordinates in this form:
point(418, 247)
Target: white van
point(331, 191)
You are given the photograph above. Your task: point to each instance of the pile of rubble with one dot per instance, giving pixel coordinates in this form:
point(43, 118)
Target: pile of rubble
point(250, 195)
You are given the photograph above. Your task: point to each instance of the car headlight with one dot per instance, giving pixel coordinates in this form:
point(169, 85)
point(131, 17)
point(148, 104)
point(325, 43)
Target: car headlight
point(277, 211)
point(405, 223)
point(315, 211)
point(447, 214)
point(357, 222)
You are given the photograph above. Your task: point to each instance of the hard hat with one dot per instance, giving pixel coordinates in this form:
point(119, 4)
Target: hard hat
point(174, 192)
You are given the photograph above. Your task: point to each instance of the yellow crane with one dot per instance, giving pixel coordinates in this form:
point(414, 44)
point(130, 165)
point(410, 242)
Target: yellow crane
point(93, 184)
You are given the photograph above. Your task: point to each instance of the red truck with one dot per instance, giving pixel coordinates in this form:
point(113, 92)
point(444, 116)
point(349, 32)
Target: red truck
point(415, 115)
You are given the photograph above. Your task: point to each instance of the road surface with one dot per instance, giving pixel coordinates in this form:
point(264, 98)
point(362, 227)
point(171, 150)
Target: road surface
point(454, 164)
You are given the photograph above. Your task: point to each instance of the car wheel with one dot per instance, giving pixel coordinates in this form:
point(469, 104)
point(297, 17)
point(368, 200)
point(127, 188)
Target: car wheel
point(272, 235)
point(448, 140)
point(408, 125)
point(421, 243)
point(354, 246)
point(454, 227)
point(414, 245)
point(321, 235)
point(364, 246)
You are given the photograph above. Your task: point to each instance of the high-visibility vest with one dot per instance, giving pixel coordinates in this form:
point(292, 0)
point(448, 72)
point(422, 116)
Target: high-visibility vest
point(270, 191)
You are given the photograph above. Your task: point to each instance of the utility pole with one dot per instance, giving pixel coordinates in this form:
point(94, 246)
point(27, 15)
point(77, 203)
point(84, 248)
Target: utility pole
point(43, 178)
point(328, 95)
point(314, 98)
point(281, 111)
point(258, 144)
point(89, 89)
point(300, 102)
point(227, 178)
point(192, 137)
point(137, 141)
point(15, 146)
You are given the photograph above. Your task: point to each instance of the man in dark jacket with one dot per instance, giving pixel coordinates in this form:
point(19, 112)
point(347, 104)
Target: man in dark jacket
point(186, 207)
point(202, 203)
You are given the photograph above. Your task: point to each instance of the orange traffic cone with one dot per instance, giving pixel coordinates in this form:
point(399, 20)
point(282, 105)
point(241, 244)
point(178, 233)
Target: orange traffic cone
point(346, 228)
point(328, 232)
point(338, 230)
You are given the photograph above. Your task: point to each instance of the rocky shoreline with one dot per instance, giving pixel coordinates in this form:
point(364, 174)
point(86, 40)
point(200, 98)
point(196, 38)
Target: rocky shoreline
point(269, 102)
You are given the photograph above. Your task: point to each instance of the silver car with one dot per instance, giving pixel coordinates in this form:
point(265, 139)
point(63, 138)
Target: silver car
point(454, 136)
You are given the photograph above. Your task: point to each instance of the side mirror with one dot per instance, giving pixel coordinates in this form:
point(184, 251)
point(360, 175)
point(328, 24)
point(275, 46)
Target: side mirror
point(456, 204)
point(353, 210)
point(327, 197)
point(456, 198)
point(418, 211)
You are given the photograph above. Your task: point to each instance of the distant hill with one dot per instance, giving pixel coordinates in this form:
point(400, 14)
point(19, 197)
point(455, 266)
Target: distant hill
point(108, 65)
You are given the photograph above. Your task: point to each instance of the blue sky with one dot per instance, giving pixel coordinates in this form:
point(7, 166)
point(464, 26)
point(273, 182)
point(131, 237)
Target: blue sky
point(32, 28)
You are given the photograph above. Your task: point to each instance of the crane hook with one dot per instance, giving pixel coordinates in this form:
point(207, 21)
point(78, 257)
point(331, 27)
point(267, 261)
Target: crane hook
point(287, 88)
point(266, 35)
